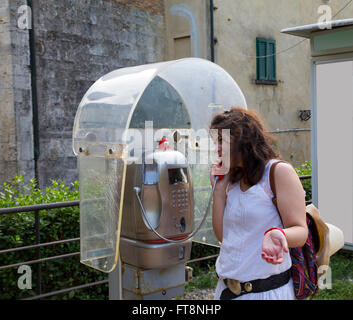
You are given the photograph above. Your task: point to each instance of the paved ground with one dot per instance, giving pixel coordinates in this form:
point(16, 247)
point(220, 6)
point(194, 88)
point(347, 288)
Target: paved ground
point(206, 294)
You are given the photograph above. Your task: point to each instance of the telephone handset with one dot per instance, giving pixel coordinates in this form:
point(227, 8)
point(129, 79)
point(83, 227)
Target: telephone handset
point(220, 164)
point(219, 176)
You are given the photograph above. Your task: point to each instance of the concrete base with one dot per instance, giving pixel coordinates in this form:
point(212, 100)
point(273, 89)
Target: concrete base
point(153, 284)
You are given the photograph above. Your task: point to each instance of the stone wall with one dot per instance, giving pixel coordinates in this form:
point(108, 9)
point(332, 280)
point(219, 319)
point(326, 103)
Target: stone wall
point(77, 42)
point(16, 133)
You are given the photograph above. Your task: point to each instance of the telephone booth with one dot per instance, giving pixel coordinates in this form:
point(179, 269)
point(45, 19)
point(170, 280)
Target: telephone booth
point(141, 139)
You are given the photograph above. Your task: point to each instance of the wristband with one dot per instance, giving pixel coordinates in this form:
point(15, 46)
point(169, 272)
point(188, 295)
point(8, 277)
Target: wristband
point(275, 228)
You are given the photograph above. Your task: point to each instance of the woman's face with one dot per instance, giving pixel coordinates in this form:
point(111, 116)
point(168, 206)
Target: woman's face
point(224, 149)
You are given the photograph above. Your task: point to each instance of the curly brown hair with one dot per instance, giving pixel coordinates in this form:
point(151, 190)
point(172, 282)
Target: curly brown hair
point(249, 140)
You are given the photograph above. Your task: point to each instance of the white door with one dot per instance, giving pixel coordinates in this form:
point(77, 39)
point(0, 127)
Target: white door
point(334, 90)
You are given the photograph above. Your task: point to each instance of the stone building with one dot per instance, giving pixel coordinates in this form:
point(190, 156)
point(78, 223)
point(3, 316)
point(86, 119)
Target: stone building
point(46, 70)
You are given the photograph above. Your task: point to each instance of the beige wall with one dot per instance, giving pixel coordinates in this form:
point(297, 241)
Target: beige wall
point(187, 29)
point(237, 24)
point(8, 152)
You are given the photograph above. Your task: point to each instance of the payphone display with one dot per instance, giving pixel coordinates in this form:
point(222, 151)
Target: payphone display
point(177, 175)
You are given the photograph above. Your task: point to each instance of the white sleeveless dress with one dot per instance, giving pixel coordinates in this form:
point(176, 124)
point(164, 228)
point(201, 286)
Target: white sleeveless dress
point(247, 216)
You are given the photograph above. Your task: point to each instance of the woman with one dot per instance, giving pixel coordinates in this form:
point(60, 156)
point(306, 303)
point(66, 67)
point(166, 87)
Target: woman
point(254, 243)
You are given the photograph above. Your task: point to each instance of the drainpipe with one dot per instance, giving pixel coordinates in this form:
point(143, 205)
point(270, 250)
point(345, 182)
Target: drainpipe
point(35, 133)
point(212, 30)
point(34, 93)
point(290, 130)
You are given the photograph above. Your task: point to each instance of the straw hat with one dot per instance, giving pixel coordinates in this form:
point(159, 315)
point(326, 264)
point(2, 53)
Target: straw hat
point(330, 238)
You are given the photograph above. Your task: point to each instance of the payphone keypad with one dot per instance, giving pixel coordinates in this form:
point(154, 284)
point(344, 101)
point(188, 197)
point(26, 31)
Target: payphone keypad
point(180, 199)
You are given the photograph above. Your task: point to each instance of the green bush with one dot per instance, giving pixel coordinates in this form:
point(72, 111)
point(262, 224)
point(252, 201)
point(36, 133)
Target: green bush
point(305, 170)
point(17, 230)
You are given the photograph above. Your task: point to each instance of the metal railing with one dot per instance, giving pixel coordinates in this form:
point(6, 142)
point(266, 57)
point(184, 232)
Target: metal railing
point(306, 177)
point(36, 210)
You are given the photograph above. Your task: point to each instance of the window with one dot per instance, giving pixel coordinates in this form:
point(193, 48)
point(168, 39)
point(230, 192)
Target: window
point(265, 61)
point(182, 47)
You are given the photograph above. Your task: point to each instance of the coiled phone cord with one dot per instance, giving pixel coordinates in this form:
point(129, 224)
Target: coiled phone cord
point(137, 191)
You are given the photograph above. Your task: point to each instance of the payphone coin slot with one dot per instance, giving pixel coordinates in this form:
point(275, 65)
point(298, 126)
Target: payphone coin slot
point(182, 224)
point(181, 253)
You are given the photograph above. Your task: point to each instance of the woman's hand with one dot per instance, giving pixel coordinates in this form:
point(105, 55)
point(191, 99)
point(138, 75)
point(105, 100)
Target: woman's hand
point(273, 245)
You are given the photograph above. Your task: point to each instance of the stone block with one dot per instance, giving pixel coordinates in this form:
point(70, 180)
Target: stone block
point(4, 15)
point(7, 170)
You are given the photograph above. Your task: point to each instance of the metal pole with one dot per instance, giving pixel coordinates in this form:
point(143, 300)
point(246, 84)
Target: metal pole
point(35, 117)
point(115, 283)
point(37, 225)
point(290, 130)
point(314, 158)
point(212, 31)
point(83, 286)
point(39, 260)
point(43, 206)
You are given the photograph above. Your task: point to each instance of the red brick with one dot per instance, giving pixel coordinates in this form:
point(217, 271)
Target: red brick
point(152, 6)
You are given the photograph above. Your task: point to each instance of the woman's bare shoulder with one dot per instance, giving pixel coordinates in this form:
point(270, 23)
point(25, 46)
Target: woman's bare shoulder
point(285, 173)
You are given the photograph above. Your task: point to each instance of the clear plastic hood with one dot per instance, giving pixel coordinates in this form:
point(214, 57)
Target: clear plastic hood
point(108, 106)
point(178, 95)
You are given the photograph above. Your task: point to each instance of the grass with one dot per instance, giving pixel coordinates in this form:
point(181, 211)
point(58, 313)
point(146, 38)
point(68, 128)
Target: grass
point(341, 265)
point(206, 280)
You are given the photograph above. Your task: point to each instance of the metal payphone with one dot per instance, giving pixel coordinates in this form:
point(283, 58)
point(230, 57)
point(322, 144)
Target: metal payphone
point(158, 219)
point(163, 200)
point(141, 202)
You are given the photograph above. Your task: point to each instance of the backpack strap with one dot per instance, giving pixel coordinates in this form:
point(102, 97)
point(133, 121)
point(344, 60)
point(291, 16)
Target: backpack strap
point(273, 186)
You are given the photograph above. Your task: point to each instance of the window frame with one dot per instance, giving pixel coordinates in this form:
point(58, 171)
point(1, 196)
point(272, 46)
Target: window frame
point(268, 62)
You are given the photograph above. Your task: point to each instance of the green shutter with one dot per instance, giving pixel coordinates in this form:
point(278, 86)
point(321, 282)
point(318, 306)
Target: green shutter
point(261, 62)
point(266, 59)
point(271, 60)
